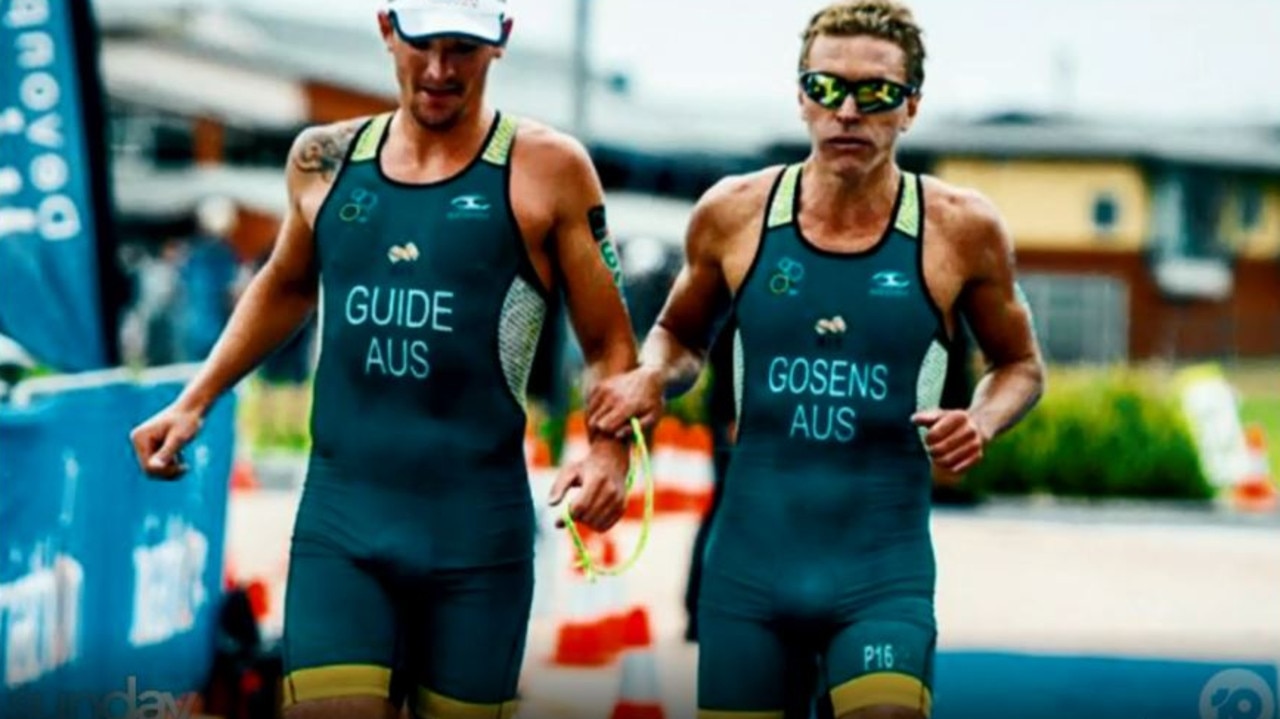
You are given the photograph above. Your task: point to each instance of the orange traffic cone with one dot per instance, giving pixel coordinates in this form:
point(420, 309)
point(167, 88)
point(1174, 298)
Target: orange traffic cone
point(576, 443)
point(637, 633)
point(242, 475)
point(259, 599)
point(614, 597)
point(639, 696)
point(583, 640)
point(1256, 491)
point(701, 481)
point(580, 640)
point(537, 452)
point(668, 438)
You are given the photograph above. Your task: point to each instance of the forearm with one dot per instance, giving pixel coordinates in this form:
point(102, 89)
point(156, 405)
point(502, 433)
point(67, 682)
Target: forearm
point(270, 311)
point(611, 358)
point(670, 359)
point(1005, 394)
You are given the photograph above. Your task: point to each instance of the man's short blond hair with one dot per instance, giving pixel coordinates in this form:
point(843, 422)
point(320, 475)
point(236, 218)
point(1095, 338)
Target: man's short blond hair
point(884, 19)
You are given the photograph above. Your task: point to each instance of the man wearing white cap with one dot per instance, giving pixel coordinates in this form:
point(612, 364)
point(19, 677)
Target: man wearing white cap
point(438, 232)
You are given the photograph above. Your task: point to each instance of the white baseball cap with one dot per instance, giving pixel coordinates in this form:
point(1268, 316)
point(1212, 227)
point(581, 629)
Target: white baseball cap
point(479, 20)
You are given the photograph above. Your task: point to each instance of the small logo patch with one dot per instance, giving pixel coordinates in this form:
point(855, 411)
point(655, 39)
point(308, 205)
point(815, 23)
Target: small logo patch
point(889, 284)
point(469, 207)
point(833, 326)
point(359, 206)
point(786, 277)
point(830, 331)
point(408, 252)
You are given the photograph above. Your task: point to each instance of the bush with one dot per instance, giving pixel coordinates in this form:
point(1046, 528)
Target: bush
point(691, 406)
point(1100, 434)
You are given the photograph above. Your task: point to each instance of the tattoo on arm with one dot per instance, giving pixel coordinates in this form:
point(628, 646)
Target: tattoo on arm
point(600, 231)
point(596, 220)
point(322, 151)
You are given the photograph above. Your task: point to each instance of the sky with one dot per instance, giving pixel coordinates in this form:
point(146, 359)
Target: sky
point(1162, 60)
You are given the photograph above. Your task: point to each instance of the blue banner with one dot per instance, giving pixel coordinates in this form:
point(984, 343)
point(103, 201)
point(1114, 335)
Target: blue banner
point(50, 296)
point(987, 685)
point(110, 582)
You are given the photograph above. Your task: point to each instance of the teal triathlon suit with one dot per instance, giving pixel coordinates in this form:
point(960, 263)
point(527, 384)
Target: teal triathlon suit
point(821, 540)
point(413, 545)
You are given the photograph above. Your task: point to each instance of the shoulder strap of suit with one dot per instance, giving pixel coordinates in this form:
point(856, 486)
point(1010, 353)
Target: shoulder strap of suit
point(366, 145)
point(782, 207)
point(910, 208)
point(498, 150)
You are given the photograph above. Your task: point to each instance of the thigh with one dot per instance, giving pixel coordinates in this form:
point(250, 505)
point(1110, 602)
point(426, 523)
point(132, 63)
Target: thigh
point(742, 668)
point(339, 637)
point(883, 661)
point(474, 626)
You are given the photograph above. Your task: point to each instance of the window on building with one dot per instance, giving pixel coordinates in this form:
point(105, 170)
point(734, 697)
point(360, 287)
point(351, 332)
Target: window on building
point(147, 136)
point(256, 147)
point(1106, 213)
point(1250, 206)
point(1204, 195)
point(1079, 318)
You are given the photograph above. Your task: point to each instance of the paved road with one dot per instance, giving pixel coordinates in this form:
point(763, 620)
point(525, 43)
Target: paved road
point(1052, 611)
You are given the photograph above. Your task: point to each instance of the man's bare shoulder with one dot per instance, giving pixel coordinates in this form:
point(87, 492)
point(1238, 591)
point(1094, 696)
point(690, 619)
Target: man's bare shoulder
point(965, 216)
point(319, 150)
point(549, 151)
point(736, 201)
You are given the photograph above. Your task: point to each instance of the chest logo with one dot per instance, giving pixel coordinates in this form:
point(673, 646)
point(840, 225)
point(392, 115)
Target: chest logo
point(833, 326)
point(786, 278)
point(830, 331)
point(358, 207)
point(408, 252)
point(469, 207)
point(889, 284)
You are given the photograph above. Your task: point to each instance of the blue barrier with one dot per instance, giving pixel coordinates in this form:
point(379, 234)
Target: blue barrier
point(982, 685)
point(110, 583)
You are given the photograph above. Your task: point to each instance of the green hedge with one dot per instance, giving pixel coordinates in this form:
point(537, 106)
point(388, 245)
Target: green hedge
point(1115, 433)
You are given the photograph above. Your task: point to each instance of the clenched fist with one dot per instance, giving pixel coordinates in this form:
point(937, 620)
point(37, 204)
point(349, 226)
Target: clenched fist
point(158, 442)
point(954, 441)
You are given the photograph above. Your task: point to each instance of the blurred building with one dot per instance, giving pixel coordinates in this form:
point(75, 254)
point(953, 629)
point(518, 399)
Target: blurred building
point(207, 99)
point(1134, 242)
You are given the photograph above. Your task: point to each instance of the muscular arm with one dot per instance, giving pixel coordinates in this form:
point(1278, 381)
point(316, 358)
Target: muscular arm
point(1001, 322)
point(675, 351)
point(587, 262)
point(283, 294)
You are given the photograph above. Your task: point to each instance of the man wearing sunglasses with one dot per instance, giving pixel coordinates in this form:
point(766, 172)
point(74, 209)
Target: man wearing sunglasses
point(847, 280)
point(435, 232)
